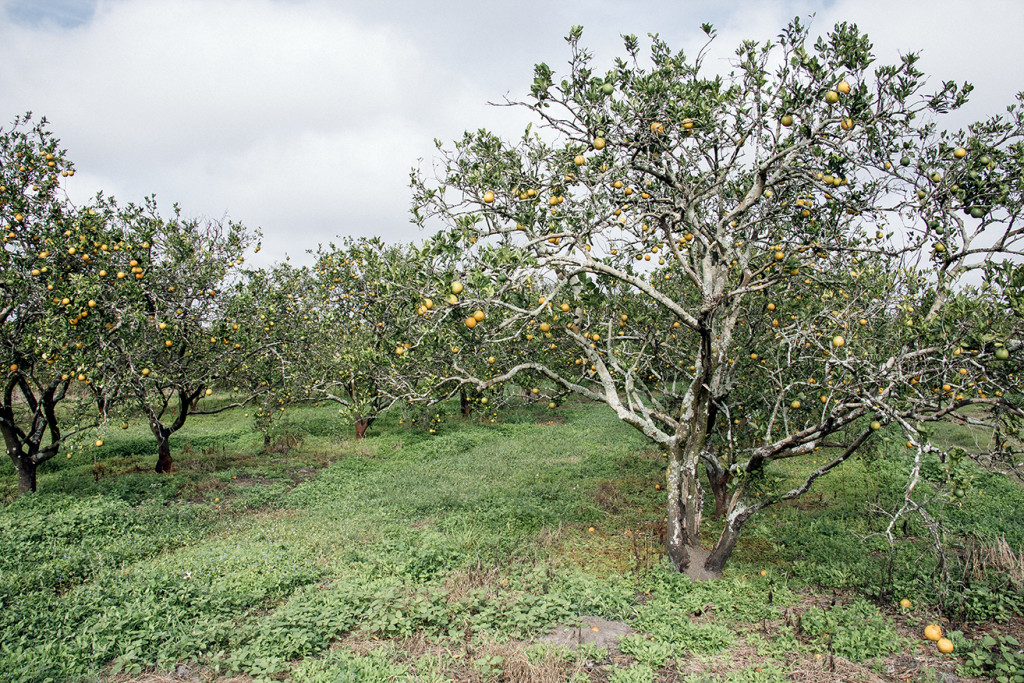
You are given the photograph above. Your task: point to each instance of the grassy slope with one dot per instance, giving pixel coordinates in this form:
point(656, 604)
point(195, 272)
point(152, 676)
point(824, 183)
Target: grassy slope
point(458, 548)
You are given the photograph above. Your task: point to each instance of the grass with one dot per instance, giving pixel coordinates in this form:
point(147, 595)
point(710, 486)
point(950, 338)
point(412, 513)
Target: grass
point(414, 557)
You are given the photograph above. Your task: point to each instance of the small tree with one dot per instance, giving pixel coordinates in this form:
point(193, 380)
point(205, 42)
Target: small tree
point(368, 309)
point(48, 267)
point(749, 267)
point(166, 302)
point(270, 302)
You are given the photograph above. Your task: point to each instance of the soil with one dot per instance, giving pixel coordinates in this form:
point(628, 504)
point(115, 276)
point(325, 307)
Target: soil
point(595, 630)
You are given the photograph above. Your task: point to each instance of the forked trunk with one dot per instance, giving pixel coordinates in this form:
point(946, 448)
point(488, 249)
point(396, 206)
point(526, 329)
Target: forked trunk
point(163, 433)
point(24, 460)
point(686, 494)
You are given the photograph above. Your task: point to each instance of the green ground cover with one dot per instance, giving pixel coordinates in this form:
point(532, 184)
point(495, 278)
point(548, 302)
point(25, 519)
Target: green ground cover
point(407, 556)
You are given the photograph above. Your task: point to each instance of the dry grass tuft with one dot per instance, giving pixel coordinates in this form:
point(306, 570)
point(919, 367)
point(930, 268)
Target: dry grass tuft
point(608, 497)
point(460, 582)
point(546, 665)
point(985, 558)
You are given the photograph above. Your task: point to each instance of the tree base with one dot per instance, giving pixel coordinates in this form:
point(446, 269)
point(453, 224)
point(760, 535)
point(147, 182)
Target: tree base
point(696, 569)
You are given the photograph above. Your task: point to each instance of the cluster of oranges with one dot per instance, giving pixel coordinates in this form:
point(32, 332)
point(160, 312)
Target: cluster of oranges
point(933, 632)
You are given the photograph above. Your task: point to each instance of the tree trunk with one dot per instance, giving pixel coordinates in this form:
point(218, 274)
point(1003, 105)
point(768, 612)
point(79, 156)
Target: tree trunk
point(686, 495)
point(686, 499)
point(718, 477)
point(362, 424)
point(24, 464)
point(163, 458)
point(464, 403)
point(727, 541)
point(675, 539)
point(26, 475)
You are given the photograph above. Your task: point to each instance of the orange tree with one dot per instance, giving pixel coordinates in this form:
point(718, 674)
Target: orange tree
point(748, 267)
point(48, 259)
point(472, 337)
point(171, 334)
point(271, 303)
point(368, 314)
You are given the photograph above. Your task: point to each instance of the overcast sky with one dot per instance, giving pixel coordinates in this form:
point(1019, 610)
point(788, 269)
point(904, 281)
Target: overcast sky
point(304, 117)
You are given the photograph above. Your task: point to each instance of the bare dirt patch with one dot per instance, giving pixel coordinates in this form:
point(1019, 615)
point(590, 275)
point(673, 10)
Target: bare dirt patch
point(590, 630)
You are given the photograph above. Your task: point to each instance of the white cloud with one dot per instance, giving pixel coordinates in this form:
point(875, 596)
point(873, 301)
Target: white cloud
point(305, 116)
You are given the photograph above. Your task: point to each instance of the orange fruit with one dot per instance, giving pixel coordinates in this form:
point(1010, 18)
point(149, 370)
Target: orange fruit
point(843, 87)
point(945, 645)
point(932, 632)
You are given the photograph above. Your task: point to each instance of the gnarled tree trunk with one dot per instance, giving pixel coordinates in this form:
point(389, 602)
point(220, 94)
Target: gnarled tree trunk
point(25, 447)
